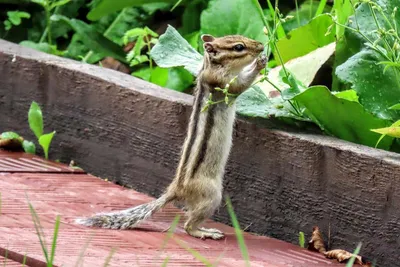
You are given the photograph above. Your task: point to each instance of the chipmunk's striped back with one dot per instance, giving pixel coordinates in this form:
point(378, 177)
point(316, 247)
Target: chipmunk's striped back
point(198, 180)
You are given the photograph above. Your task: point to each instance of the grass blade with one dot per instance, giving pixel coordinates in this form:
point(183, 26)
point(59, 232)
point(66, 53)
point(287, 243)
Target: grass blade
point(24, 260)
point(320, 8)
point(238, 232)
point(171, 231)
point(353, 258)
point(79, 261)
point(108, 259)
point(302, 240)
point(165, 262)
point(54, 244)
point(195, 253)
point(39, 230)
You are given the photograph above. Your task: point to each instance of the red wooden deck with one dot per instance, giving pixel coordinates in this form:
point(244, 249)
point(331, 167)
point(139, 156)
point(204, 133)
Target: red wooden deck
point(54, 189)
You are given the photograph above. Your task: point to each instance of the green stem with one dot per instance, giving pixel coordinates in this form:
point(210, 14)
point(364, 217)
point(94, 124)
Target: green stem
point(149, 48)
point(107, 31)
point(297, 13)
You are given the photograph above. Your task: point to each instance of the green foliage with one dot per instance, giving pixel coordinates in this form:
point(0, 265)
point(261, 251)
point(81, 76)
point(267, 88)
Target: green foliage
point(15, 18)
point(35, 119)
point(44, 47)
point(49, 255)
point(173, 50)
point(353, 257)
point(92, 38)
point(106, 7)
point(223, 17)
point(9, 135)
point(372, 37)
point(306, 38)
point(354, 128)
point(29, 147)
point(302, 240)
point(143, 37)
point(45, 141)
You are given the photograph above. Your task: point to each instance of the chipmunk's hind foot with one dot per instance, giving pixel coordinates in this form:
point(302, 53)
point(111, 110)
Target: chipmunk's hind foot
point(204, 233)
point(211, 230)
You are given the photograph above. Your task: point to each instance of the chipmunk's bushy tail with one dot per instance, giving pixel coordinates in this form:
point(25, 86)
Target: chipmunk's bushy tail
point(125, 219)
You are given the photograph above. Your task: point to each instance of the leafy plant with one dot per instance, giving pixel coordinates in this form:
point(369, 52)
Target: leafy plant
point(302, 240)
point(15, 18)
point(35, 119)
point(143, 37)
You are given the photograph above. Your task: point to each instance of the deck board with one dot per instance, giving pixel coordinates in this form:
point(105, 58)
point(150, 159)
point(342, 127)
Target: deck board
point(73, 195)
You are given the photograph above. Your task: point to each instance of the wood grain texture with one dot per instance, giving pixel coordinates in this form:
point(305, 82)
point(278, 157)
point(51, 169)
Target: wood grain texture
point(129, 131)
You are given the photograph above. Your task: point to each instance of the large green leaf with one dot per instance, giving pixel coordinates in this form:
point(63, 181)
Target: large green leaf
point(35, 119)
point(307, 38)
point(254, 103)
point(45, 141)
point(106, 7)
point(94, 39)
point(44, 47)
point(173, 50)
point(224, 17)
point(377, 90)
point(345, 119)
point(303, 15)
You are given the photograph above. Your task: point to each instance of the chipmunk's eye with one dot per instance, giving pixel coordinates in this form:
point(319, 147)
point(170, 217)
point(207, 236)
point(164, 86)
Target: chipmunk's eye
point(238, 47)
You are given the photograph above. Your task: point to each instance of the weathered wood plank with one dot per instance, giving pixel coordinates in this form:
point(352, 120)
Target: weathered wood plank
point(118, 127)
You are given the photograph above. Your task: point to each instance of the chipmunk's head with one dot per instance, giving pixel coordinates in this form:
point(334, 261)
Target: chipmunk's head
point(232, 52)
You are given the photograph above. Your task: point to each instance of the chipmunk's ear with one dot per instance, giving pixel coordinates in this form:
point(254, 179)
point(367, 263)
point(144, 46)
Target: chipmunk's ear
point(207, 38)
point(208, 47)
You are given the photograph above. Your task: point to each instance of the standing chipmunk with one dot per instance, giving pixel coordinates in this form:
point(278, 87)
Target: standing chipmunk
point(233, 60)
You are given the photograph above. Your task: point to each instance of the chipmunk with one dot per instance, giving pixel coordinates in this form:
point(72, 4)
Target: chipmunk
point(233, 60)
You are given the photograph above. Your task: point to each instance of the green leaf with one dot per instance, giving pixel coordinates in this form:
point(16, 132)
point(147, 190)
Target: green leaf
point(302, 240)
point(350, 95)
point(351, 121)
point(386, 131)
point(15, 16)
point(35, 119)
point(343, 10)
point(159, 76)
point(254, 103)
point(173, 50)
point(143, 73)
point(179, 79)
point(395, 107)
point(58, 3)
point(43, 3)
point(304, 68)
point(392, 131)
point(7, 25)
point(302, 16)
point(93, 39)
point(44, 47)
point(224, 17)
point(45, 141)
point(9, 135)
point(29, 147)
point(358, 61)
point(376, 90)
point(106, 7)
point(306, 38)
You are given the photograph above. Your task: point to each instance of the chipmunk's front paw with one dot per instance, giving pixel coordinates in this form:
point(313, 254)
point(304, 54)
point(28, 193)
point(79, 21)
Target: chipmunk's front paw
point(262, 61)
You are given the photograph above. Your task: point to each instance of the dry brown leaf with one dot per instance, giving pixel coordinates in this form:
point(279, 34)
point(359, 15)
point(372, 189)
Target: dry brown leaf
point(343, 256)
point(317, 242)
point(111, 63)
